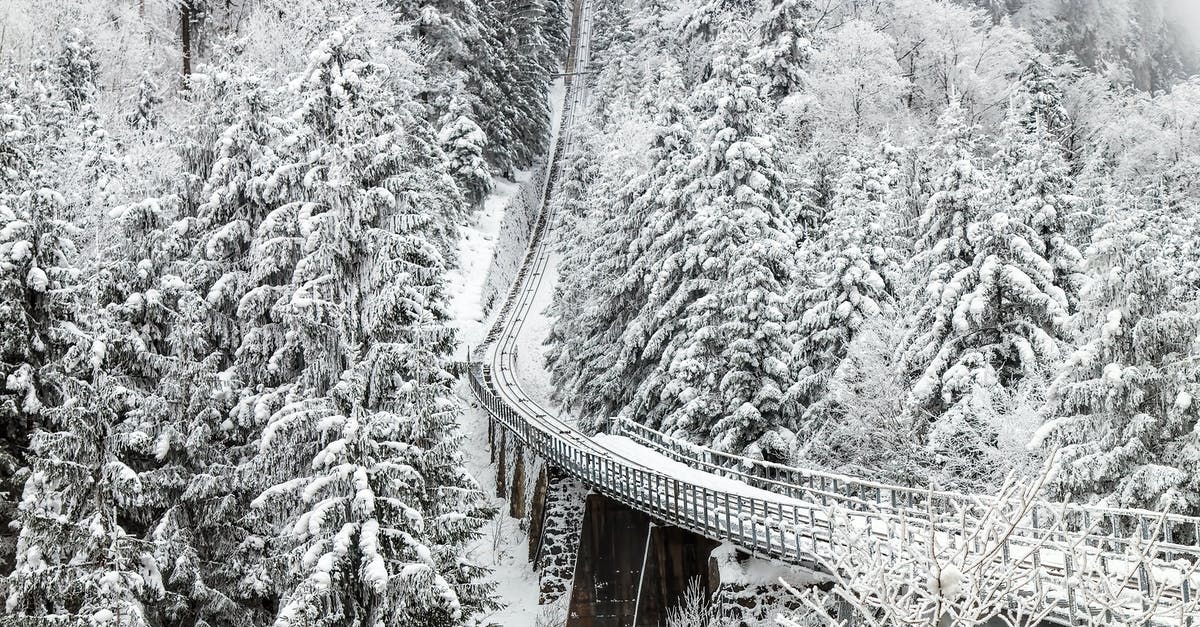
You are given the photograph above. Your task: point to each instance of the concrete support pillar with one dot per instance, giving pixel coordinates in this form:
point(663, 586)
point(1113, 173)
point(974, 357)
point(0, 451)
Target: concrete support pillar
point(630, 571)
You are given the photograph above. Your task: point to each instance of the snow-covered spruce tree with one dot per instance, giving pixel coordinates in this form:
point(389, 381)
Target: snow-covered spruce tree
point(603, 341)
point(174, 433)
point(512, 82)
point(453, 32)
point(856, 276)
point(196, 138)
point(35, 244)
point(786, 46)
point(1042, 97)
point(574, 195)
point(245, 246)
point(575, 200)
point(1121, 415)
point(37, 248)
point(76, 68)
point(381, 517)
point(370, 508)
point(16, 153)
point(231, 225)
point(723, 373)
point(145, 112)
point(632, 43)
point(464, 144)
point(708, 20)
point(990, 314)
point(76, 562)
point(1037, 181)
point(958, 198)
point(144, 314)
point(1007, 319)
point(74, 558)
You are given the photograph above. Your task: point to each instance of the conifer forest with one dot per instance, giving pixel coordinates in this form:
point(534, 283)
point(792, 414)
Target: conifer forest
point(258, 258)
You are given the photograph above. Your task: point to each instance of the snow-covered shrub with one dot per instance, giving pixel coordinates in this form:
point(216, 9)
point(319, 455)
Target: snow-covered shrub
point(695, 609)
point(907, 572)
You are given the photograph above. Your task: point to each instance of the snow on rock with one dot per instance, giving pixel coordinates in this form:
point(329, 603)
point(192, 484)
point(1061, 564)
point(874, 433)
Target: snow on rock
point(518, 212)
point(476, 250)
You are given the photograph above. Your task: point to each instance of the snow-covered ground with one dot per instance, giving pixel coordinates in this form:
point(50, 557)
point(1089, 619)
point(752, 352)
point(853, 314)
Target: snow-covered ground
point(476, 247)
point(503, 547)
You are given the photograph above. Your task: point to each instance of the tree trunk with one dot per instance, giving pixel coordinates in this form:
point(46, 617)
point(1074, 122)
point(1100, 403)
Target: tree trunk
point(185, 35)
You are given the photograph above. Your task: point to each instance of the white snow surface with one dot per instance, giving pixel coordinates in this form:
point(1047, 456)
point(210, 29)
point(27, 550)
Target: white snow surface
point(531, 344)
point(504, 546)
point(754, 571)
point(658, 462)
point(475, 249)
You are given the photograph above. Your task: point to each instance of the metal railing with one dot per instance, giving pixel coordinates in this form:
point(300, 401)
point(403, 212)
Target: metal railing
point(793, 514)
point(1168, 531)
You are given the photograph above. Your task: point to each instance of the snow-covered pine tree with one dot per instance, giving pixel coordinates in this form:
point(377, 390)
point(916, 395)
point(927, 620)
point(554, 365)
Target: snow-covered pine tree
point(856, 278)
point(1121, 417)
point(603, 341)
point(144, 315)
point(1042, 109)
point(37, 306)
point(453, 32)
point(76, 68)
point(171, 436)
point(577, 222)
point(238, 196)
point(513, 80)
point(384, 507)
point(990, 313)
point(786, 46)
point(343, 171)
point(75, 559)
point(370, 507)
point(1037, 181)
point(707, 21)
point(16, 153)
point(465, 143)
point(196, 138)
point(1007, 319)
point(957, 199)
point(723, 374)
point(573, 196)
point(145, 112)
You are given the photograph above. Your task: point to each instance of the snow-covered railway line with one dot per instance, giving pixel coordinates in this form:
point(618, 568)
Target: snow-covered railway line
point(790, 514)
